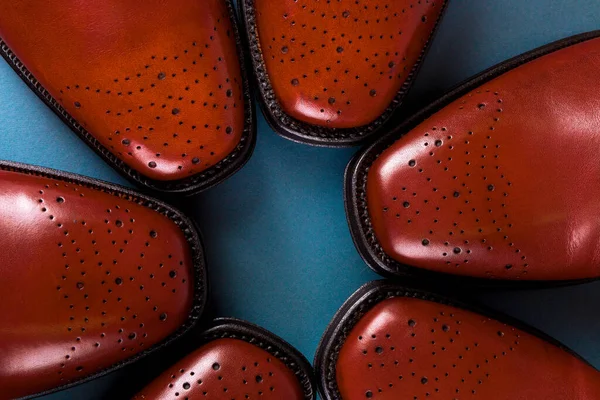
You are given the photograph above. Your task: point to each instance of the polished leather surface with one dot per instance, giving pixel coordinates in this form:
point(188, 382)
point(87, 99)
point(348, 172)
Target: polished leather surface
point(226, 369)
point(89, 279)
point(341, 64)
point(501, 183)
point(155, 82)
point(407, 348)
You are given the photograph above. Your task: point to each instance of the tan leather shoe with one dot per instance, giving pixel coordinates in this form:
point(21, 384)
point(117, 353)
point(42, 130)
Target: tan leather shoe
point(237, 360)
point(94, 276)
point(390, 342)
point(157, 88)
point(331, 73)
point(494, 181)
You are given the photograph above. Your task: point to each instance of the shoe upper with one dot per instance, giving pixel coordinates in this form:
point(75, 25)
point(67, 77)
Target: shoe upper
point(91, 278)
point(501, 183)
point(227, 369)
point(341, 64)
point(410, 347)
point(157, 84)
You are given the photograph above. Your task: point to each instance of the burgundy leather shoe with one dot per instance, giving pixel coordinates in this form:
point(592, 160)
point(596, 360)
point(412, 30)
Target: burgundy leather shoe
point(237, 360)
point(158, 88)
point(331, 73)
point(389, 342)
point(94, 276)
point(494, 181)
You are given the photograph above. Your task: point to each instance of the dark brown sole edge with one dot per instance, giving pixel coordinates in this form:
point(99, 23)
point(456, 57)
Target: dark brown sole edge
point(231, 328)
point(301, 132)
point(185, 224)
point(188, 186)
point(367, 297)
point(357, 172)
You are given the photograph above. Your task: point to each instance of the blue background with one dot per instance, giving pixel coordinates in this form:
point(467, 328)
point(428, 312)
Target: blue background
point(279, 250)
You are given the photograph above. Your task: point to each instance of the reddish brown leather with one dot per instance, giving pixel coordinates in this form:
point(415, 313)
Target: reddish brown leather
point(226, 369)
point(156, 82)
point(89, 279)
point(502, 182)
point(407, 348)
point(341, 64)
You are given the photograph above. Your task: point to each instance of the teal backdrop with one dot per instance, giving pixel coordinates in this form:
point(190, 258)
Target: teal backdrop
point(279, 251)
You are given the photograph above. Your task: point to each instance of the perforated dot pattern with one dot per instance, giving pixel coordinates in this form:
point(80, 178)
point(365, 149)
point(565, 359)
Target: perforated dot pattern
point(463, 188)
point(182, 107)
point(324, 60)
point(227, 369)
point(456, 195)
point(91, 279)
point(173, 108)
point(412, 348)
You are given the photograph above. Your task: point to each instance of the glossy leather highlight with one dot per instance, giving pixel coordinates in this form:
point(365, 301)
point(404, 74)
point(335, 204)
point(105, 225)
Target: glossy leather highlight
point(157, 83)
point(90, 278)
point(415, 349)
point(342, 64)
point(226, 369)
point(501, 183)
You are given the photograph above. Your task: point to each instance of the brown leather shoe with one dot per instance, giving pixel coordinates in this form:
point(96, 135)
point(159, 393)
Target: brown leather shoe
point(238, 360)
point(331, 73)
point(94, 276)
point(155, 87)
point(495, 180)
point(389, 342)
